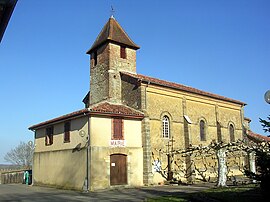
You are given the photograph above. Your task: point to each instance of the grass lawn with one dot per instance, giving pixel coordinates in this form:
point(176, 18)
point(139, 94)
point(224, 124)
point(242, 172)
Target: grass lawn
point(243, 193)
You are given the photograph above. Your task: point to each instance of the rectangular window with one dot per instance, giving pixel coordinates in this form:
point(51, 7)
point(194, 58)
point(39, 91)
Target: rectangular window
point(49, 136)
point(123, 53)
point(67, 132)
point(117, 129)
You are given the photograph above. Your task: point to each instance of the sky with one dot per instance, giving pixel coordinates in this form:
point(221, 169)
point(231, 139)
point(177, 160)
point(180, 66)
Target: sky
point(222, 47)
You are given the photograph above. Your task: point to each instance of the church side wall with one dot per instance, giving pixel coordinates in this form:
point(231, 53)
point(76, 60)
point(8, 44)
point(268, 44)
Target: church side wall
point(175, 104)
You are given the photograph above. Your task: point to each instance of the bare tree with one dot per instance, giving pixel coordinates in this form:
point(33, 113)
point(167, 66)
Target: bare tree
point(21, 155)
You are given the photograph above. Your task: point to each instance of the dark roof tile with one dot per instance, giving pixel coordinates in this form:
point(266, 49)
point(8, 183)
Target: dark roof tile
point(112, 31)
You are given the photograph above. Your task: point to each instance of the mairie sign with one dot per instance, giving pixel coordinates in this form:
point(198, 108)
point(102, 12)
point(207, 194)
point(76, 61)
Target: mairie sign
point(117, 143)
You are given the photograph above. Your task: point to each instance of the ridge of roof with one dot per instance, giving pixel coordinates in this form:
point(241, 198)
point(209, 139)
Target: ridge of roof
point(112, 31)
point(112, 108)
point(177, 86)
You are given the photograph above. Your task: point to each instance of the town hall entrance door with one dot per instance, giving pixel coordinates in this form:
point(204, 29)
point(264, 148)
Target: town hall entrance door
point(118, 169)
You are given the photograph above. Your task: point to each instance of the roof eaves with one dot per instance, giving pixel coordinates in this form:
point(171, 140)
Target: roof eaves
point(69, 116)
point(113, 114)
point(112, 109)
point(257, 137)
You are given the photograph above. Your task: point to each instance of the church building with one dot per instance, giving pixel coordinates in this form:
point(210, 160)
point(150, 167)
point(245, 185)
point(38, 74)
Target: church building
point(127, 119)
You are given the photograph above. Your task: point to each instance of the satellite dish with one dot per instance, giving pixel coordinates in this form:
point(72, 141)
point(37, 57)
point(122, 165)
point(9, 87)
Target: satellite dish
point(30, 143)
point(267, 96)
point(82, 133)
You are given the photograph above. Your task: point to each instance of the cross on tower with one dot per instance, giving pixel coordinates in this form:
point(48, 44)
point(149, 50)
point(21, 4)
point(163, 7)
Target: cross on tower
point(112, 11)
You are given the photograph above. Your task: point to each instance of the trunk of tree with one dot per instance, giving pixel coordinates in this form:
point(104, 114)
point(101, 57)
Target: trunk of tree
point(222, 167)
point(252, 165)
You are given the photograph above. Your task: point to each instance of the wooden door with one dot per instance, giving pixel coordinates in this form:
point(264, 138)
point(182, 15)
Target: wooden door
point(118, 169)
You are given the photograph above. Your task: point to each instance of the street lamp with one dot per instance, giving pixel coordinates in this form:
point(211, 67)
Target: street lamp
point(267, 96)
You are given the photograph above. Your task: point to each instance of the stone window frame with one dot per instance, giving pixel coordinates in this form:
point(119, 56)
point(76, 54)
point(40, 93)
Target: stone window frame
point(169, 119)
point(204, 137)
point(231, 125)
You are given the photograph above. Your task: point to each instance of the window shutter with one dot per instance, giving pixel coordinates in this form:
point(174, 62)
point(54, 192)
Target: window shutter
point(117, 129)
point(51, 139)
point(47, 137)
point(67, 132)
point(46, 140)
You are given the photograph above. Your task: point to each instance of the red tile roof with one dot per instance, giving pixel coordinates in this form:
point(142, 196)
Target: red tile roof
point(257, 137)
point(60, 118)
point(104, 109)
point(112, 31)
point(155, 81)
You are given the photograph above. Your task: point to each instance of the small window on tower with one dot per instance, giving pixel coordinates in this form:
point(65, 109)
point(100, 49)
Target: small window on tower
point(123, 53)
point(95, 58)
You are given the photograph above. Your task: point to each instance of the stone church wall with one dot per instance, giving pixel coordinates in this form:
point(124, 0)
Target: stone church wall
point(131, 94)
point(176, 104)
point(99, 80)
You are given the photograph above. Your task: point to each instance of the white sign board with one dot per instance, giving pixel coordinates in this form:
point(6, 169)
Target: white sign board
point(117, 143)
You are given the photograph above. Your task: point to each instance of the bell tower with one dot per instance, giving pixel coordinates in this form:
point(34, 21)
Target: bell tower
point(112, 52)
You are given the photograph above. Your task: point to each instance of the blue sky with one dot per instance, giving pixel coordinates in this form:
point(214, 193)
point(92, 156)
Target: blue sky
point(218, 46)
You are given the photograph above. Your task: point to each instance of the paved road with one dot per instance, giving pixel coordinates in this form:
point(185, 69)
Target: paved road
point(24, 193)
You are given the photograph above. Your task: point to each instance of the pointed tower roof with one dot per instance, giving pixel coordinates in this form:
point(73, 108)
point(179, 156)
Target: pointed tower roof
point(112, 31)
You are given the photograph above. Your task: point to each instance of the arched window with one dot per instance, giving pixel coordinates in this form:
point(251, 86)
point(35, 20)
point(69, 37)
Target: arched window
point(202, 130)
point(231, 128)
point(166, 127)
